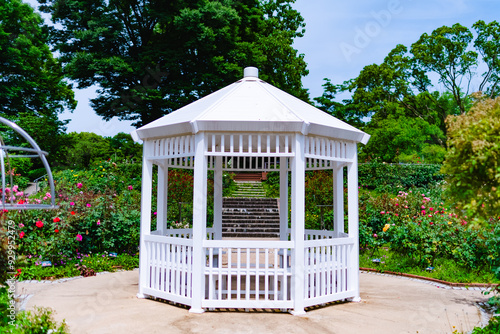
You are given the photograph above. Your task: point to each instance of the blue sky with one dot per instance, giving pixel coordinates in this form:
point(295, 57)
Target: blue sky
point(341, 38)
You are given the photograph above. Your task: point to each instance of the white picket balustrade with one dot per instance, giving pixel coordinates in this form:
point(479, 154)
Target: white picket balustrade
point(327, 270)
point(247, 273)
point(169, 270)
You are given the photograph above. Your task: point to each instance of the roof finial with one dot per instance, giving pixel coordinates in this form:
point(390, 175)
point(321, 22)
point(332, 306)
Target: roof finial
point(251, 72)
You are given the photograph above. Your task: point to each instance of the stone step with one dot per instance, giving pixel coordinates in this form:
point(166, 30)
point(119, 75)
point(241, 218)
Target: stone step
point(249, 200)
point(261, 224)
point(249, 231)
point(236, 195)
point(248, 177)
point(246, 213)
point(246, 205)
point(254, 201)
point(249, 190)
point(253, 235)
point(251, 216)
point(250, 186)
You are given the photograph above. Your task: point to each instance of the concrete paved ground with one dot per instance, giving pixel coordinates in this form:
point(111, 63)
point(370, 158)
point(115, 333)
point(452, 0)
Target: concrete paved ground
point(108, 304)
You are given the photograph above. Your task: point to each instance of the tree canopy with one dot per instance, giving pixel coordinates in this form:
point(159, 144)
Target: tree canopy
point(150, 57)
point(406, 116)
point(32, 89)
point(473, 159)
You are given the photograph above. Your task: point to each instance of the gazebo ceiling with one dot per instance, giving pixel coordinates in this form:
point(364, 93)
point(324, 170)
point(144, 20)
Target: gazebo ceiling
point(250, 105)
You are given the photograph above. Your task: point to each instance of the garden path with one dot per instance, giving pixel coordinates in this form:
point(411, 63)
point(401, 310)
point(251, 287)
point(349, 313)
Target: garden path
point(107, 304)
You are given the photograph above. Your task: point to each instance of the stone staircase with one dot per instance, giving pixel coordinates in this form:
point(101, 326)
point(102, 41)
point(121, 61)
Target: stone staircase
point(250, 218)
point(249, 189)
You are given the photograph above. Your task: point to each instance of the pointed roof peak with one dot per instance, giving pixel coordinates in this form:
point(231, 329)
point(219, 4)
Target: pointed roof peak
point(251, 105)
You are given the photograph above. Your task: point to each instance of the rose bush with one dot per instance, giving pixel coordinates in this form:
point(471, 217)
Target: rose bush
point(418, 225)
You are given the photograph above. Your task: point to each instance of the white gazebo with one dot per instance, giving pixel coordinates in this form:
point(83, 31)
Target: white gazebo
point(250, 125)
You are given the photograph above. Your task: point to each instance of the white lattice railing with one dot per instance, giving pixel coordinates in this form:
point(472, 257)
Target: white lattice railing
point(318, 234)
point(250, 273)
point(247, 273)
point(174, 147)
point(327, 270)
point(325, 148)
point(249, 144)
point(169, 269)
point(186, 233)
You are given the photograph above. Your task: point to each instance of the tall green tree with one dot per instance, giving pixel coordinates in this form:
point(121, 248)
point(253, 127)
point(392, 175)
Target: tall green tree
point(446, 52)
point(473, 160)
point(487, 43)
point(150, 57)
point(399, 90)
point(32, 89)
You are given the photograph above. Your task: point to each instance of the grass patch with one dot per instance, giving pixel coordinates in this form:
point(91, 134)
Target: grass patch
point(444, 269)
point(93, 263)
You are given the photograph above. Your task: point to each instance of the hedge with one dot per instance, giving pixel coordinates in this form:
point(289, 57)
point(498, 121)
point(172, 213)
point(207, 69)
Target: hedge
point(382, 176)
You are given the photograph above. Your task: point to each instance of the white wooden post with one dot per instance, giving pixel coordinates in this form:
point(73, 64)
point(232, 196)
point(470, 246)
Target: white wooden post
point(284, 198)
point(218, 175)
point(162, 199)
point(353, 220)
point(199, 222)
point(146, 189)
point(338, 200)
point(298, 229)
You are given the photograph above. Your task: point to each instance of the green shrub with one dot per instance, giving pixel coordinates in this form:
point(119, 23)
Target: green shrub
point(394, 177)
point(38, 321)
point(418, 225)
point(493, 327)
point(37, 272)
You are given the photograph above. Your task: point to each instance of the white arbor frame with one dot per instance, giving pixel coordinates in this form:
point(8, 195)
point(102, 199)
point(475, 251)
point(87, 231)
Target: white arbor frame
point(197, 267)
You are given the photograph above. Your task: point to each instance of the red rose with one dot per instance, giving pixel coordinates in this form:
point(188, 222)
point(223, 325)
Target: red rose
point(21, 235)
point(72, 213)
point(56, 220)
point(39, 224)
point(56, 230)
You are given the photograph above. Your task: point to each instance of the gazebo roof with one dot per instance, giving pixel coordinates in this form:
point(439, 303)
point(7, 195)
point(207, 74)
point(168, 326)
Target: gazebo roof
point(250, 105)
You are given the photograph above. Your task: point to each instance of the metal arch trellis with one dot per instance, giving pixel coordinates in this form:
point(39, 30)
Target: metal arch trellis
point(34, 152)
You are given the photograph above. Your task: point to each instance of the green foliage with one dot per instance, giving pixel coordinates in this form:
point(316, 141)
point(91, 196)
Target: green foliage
point(472, 163)
point(37, 272)
point(418, 226)
point(397, 176)
point(342, 111)
point(150, 58)
point(80, 264)
point(39, 321)
point(493, 327)
point(4, 307)
point(4, 260)
point(398, 136)
point(86, 148)
point(32, 89)
point(444, 269)
point(445, 48)
point(394, 101)
point(99, 206)
point(488, 35)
